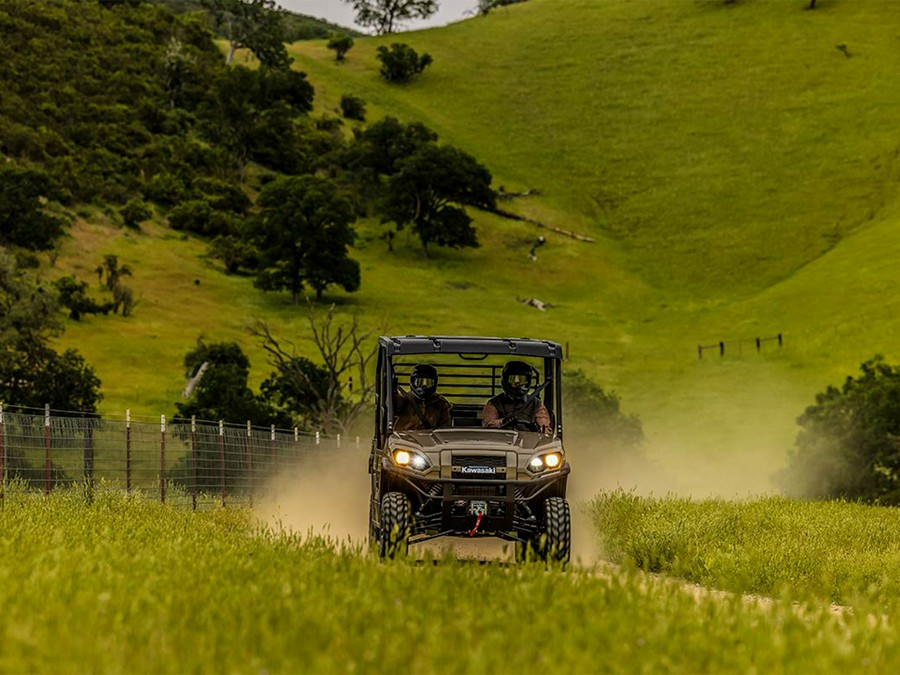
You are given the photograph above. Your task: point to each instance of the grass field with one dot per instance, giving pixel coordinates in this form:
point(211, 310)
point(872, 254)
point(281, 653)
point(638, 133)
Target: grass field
point(127, 585)
point(738, 170)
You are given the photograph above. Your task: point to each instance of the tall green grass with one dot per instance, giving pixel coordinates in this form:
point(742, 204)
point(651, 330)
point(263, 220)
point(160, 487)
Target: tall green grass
point(839, 552)
point(127, 585)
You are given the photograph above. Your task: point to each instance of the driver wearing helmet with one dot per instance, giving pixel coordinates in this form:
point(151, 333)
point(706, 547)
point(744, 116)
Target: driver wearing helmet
point(514, 409)
point(421, 407)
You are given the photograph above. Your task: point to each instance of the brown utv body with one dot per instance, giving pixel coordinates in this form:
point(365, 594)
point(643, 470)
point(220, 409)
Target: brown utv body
point(464, 480)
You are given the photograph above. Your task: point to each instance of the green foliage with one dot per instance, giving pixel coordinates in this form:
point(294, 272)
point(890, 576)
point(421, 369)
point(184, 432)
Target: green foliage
point(353, 108)
point(430, 188)
point(592, 412)
point(302, 233)
point(340, 44)
point(135, 212)
point(73, 296)
point(849, 443)
point(88, 91)
point(31, 373)
point(222, 392)
point(387, 16)
point(23, 219)
point(298, 387)
point(253, 116)
point(401, 63)
point(256, 25)
point(235, 253)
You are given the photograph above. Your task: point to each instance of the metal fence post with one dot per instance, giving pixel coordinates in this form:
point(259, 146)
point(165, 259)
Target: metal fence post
point(162, 459)
point(222, 458)
point(128, 450)
point(47, 461)
point(194, 461)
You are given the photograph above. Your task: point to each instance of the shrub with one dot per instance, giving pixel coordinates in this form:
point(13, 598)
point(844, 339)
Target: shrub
point(135, 212)
point(353, 108)
point(341, 44)
point(849, 443)
point(401, 62)
point(193, 215)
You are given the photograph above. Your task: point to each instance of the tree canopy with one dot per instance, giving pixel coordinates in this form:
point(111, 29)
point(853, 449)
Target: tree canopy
point(849, 443)
point(401, 63)
point(302, 234)
point(256, 25)
point(429, 190)
point(386, 16)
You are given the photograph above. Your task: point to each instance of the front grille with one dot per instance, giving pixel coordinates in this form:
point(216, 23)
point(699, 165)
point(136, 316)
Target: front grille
point(479, 490)
point(476, 467)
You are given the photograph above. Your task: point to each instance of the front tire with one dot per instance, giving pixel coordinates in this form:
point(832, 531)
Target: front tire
point(556, 539)
point(394, 534)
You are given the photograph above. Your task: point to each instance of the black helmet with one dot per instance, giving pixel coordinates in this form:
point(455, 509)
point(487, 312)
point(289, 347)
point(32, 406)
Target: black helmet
point(516, 379)
point(423, 381)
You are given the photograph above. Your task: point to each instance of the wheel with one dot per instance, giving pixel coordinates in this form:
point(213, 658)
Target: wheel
point(394, 535)
point(556, 538)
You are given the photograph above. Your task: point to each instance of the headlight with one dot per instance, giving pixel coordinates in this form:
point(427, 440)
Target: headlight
point(410, 458)
point(539, 463)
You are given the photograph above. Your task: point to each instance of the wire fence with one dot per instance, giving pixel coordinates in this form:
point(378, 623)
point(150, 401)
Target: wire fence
point(182, 462)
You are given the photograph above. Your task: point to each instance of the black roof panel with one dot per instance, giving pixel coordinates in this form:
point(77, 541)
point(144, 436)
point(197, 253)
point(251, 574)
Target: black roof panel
point(435, 344)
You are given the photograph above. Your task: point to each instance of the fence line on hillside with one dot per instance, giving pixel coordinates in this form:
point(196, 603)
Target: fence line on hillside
point(180, 461)
point(759, 343)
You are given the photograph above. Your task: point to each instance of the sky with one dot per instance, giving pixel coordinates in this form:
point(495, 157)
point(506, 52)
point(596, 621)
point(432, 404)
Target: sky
point(339, 12)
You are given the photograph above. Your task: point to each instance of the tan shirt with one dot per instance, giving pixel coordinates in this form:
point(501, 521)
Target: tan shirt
point(436, 412)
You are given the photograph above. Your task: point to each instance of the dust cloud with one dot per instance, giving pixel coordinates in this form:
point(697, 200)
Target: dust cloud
point(327, 494)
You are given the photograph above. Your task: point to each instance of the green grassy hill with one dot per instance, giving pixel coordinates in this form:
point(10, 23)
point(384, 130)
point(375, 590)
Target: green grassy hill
point(738, 169)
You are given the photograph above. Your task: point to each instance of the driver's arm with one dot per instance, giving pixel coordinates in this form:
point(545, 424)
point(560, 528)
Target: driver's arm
point(542, 418)
point(490, 418)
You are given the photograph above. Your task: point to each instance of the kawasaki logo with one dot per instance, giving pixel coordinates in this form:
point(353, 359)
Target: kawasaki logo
point(477, 469)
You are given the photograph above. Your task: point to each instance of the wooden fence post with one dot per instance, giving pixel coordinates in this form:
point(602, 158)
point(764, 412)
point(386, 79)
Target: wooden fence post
point(222, 458)
point(47, 462)
point(162, 460)
point(88, 424)
point(128, 450)
point(250, 460)
point(194, 461)
point(2, 458)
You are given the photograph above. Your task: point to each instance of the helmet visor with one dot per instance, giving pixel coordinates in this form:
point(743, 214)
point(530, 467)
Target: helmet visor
point(519, 379)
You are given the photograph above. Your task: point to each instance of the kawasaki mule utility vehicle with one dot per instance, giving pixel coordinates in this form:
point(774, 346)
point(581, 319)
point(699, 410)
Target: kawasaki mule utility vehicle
point(461, 479)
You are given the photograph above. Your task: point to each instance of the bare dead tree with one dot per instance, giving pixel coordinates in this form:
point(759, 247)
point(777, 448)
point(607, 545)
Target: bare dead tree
point(346, 352)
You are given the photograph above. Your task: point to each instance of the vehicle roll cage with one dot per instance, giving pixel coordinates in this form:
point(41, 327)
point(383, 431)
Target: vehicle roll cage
point(466, 381)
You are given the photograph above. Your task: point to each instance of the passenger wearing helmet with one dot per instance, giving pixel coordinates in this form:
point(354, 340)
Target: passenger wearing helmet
point(514, 409)
point(421, 407)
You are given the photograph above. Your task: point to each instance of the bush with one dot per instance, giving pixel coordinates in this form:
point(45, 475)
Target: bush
point(353, 108)
point(401, 62)
point(341, 44)
point(193, 216)
point(849, 443)
point(135, 212)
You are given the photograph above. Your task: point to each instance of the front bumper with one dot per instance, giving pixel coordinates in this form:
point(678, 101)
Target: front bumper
point(444, 506)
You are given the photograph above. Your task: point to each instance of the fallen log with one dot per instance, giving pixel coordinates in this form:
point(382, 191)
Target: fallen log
point(525, 219)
